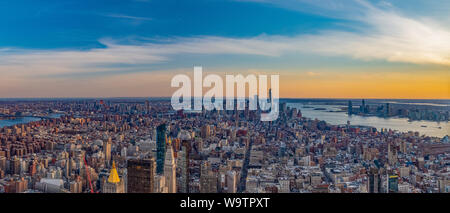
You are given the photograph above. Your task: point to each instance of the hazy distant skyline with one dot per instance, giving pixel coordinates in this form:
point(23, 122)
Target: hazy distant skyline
point(320, 49)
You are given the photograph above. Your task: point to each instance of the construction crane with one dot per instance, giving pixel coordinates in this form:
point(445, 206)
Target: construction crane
point(88, 174)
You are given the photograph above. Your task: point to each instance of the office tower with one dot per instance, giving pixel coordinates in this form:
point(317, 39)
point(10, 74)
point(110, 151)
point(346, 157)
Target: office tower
point(362, 109)
point(147, 106)
point(199, 144)
point(374, 181)
point(393, 184)
point(204, 169)
point(392, 154)
point(67, 169)
point(154, 135)
point(181, 164)
point(184, 166)
point(270, 94)
point(141, 175)
point(350, 108)
point(170, 170)
point(107, 151)
point(236, 111)
point(388, 109)
point(113, 184)
point(232, 181)
point(160, 148)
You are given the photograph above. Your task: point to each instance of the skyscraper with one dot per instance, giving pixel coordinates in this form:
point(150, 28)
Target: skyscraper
point(67, 168)
point(362, 109)
point(374, 182)
point(160, 148)
point(270, 94)
point(113, 184)
point(393, 184)
point(392, 154)
point(107, 151)
point(147, 106)
point(388, 110)
point(170, 170)
point(141, 175)
point(350, 108)
point(184, 166)
point(232, 181)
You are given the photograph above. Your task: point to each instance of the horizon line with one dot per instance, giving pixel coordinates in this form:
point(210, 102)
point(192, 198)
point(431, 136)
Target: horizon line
point(168, 97)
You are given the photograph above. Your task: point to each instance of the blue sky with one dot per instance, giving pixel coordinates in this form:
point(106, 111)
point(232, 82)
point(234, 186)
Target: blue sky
point(80, 24)
point(62, 42)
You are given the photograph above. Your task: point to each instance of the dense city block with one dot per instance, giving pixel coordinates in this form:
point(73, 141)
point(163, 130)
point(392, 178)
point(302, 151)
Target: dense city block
point(143, 146)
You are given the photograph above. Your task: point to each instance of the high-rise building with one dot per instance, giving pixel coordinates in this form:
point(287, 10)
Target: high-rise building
point(362, 108)
point(67, 168)
point(154, 135)
point(388, 110)
point(160, 147)
point(107, 151)
point(113, 184)
point(270, 94)
point(141, 175)
point(393, 184)
point(184, 166)
point(170, 170)
point(392, 154)
point(374, 181)
point(232, 181)
point(350, 108)
point(147, 106)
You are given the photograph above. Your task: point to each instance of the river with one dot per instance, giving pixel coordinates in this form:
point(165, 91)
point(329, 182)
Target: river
point(429, 128)
point(22, 120)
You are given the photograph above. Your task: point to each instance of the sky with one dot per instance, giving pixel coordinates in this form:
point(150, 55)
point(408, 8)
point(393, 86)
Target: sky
point(133, 48)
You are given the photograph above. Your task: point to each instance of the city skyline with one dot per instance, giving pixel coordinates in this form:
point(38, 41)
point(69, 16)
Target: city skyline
point(144, 146)
point(320, 49)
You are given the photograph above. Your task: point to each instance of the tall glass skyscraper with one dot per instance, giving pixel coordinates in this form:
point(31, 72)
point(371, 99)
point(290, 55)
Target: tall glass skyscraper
point(160, 147)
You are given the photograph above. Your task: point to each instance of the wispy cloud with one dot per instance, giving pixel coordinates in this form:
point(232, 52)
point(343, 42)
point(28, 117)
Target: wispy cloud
point(311, 74)
point(121, 16)
point(389, 36)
